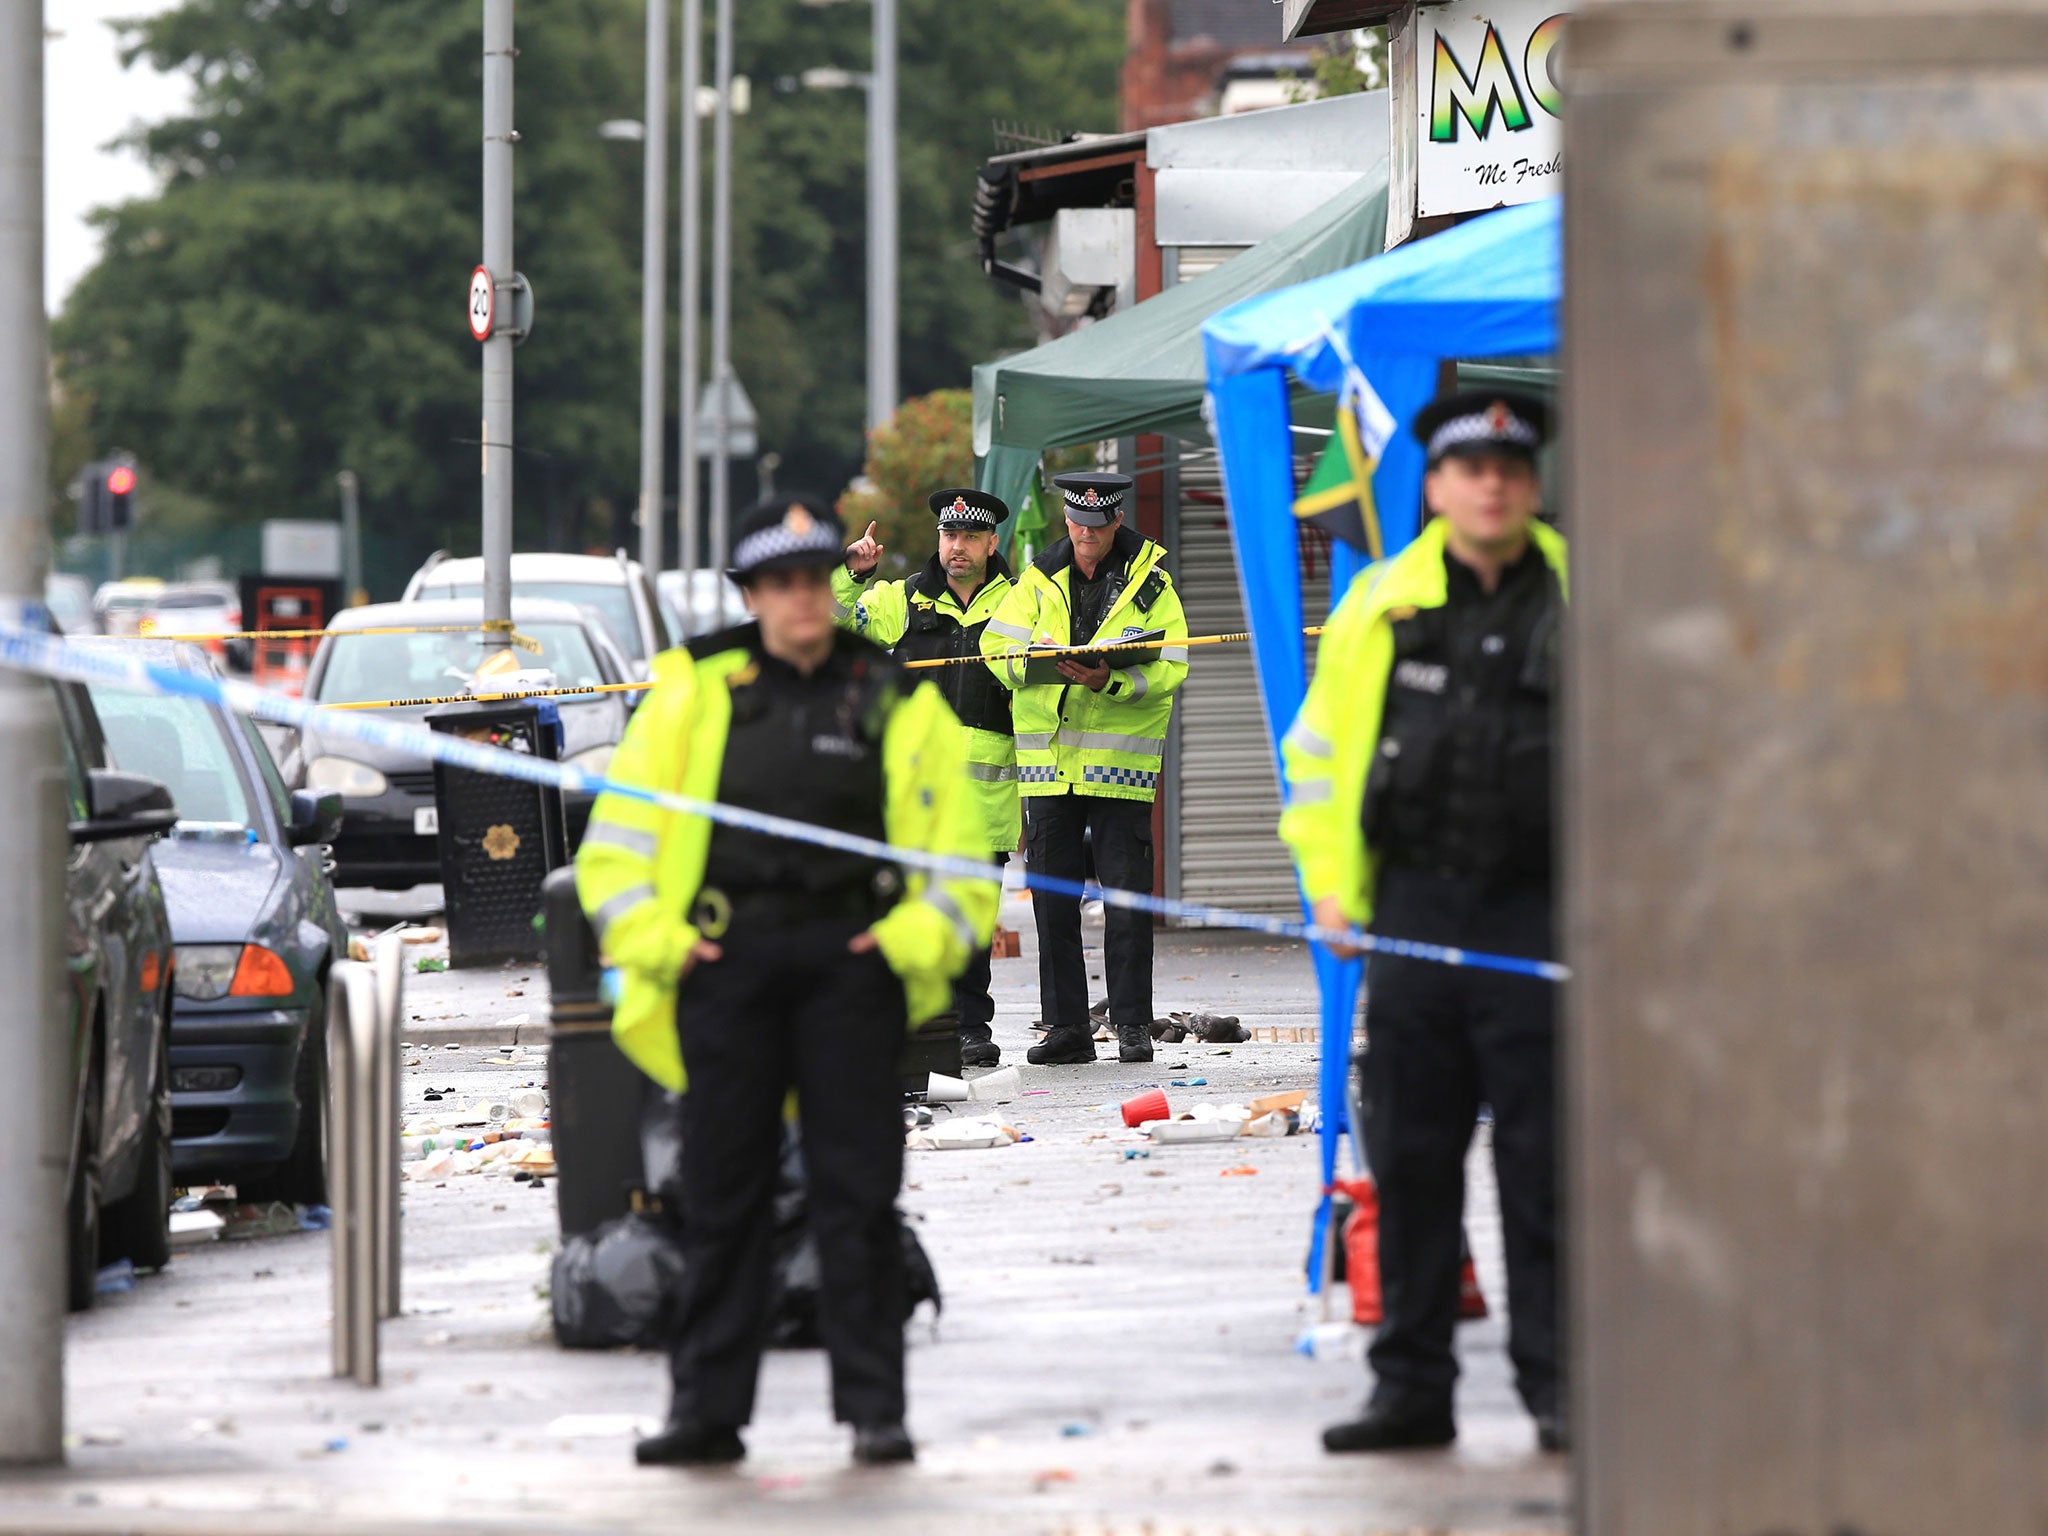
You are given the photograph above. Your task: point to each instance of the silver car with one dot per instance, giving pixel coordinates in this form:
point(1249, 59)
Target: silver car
point(616, 590)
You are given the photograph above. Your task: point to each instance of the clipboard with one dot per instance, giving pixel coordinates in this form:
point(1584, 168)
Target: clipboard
point(1042, 664)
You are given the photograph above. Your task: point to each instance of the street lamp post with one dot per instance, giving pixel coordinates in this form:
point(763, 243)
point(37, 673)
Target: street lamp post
point(882, 242)
point(688, 301)
point(653, 284)
point(721, 293)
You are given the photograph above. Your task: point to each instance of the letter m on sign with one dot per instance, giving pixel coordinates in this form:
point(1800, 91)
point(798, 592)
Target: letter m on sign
point(1453, 94)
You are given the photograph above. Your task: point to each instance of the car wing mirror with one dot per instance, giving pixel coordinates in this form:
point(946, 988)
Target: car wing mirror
point(316, 817)
point(124, 805)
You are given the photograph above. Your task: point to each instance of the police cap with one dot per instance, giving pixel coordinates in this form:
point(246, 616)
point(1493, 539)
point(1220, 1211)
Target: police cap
point(1092, 498)
point(975, 511)
point(1483, 421)
point(786, 533)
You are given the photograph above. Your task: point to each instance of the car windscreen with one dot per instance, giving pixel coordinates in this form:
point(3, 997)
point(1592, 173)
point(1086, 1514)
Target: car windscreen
point(425, 666)
point(612, 603)
point(180, 743)
point(173, 600)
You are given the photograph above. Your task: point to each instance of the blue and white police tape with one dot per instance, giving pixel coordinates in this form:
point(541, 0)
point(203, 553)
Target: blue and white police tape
point(50, 656)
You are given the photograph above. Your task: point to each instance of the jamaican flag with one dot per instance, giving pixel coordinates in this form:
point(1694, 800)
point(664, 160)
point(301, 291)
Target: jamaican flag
point(1338, 497)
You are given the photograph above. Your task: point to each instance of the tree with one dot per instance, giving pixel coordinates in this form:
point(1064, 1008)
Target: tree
point(1343, 64)
point(927, 446)
point(286, 306)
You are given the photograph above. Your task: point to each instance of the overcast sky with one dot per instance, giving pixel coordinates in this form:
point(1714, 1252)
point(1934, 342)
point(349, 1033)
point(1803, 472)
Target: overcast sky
point(89, 99)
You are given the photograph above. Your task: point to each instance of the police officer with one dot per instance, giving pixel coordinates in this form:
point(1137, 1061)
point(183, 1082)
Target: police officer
point(755, 965)
point(1419, 801)
point(1089, 749)
point(940, 613)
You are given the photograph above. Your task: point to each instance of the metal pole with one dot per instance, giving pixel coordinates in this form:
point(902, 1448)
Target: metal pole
point(721, 296)
point(653, 284)
point(36, 1137)
point(351, 540)
point(690, 301)
point(385, 1123)
point(882, 382)
point(499, 137)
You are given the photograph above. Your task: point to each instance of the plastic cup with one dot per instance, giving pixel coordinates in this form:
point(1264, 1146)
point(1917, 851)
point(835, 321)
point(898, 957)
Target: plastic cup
point(941, 1089)
point(999, 1086)
point(1150, 1105)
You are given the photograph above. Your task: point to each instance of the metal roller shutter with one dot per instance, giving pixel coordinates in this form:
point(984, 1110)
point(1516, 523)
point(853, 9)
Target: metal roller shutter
point(1230, 854)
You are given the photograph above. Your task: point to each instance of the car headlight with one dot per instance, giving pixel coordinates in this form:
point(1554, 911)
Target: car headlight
point(345, 776)
point(595, 761)
point(207, 973)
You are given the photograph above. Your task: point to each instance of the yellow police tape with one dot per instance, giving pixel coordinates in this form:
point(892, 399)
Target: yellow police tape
point(201, 637)
point(937, 661)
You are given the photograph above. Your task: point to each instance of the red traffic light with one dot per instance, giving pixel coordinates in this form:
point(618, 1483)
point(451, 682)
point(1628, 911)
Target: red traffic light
point(121, 480)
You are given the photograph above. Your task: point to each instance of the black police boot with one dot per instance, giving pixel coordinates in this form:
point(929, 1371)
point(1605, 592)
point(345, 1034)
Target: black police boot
point(1133, 1042)
point(977, 1049)
point(881, 1445)
point(1384, 1428)
point(691, 1443)
point(1060, 1048)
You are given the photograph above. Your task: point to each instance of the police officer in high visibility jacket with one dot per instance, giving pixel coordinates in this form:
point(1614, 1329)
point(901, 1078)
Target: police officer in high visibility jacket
point(754, 965)
point(939, 614)
point(1419, 802)
point(1089, 751)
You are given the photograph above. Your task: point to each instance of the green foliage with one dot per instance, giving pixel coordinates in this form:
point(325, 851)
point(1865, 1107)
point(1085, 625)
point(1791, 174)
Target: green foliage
point(288, 304)
point(927, 446)
point(1344, 64)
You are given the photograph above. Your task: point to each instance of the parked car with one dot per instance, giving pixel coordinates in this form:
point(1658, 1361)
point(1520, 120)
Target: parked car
point(701, 602)
point(120, 968)
point(389, 816)
point(255, 925)
point(69, 599)
point(617, 590)
point(197, 608)
point(121, 606)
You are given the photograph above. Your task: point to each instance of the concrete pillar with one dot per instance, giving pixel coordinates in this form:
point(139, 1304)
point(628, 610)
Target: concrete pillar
point(1807, 418)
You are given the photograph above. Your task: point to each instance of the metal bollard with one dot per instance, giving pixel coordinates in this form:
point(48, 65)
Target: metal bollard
point(386, 1121)
point(353, 1063)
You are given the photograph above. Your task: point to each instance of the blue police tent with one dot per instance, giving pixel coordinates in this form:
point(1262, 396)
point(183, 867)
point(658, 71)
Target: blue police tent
point(1488, 288)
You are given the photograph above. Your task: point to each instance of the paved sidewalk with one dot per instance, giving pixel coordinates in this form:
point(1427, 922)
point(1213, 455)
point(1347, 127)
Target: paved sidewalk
point(1115, 1354)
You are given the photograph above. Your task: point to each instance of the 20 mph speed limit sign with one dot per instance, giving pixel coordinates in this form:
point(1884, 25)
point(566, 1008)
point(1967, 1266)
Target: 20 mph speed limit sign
point(483, 303)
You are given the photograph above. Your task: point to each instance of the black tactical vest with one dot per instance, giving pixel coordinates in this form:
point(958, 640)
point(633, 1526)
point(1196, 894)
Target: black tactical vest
point(810, 749)
point(1461, 780)
point(930, 631)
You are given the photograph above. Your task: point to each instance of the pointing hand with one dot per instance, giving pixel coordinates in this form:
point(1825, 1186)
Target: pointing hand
point(865, 554)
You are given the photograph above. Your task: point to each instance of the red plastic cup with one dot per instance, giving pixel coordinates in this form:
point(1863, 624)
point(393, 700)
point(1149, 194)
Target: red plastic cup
point(1147, 1106)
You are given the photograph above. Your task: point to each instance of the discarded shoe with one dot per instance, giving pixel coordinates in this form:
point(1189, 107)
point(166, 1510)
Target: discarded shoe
point(1061, 1047)
point(881, 1445)
point(1169, 1032)
point(1384, 1429)
point(1133, 1043)
point(980, 1053)
point(691, 1443)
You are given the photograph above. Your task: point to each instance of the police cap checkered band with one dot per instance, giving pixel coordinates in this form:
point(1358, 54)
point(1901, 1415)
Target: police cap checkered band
point(967, 509)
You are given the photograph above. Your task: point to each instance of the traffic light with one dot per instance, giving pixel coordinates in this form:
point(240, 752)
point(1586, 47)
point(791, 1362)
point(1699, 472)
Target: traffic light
point(106, 496)
point(120, 491)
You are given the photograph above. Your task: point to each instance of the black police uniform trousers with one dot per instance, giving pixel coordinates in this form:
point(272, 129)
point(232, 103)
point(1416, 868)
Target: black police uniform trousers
point(788, 1007)
point(1120, 832)
point(1439, 1042)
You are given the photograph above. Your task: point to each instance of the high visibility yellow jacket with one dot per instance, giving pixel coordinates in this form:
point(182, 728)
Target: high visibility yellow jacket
point(885, 611)
point(1328, 751)
point(1071, 740)
point(640, 867)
